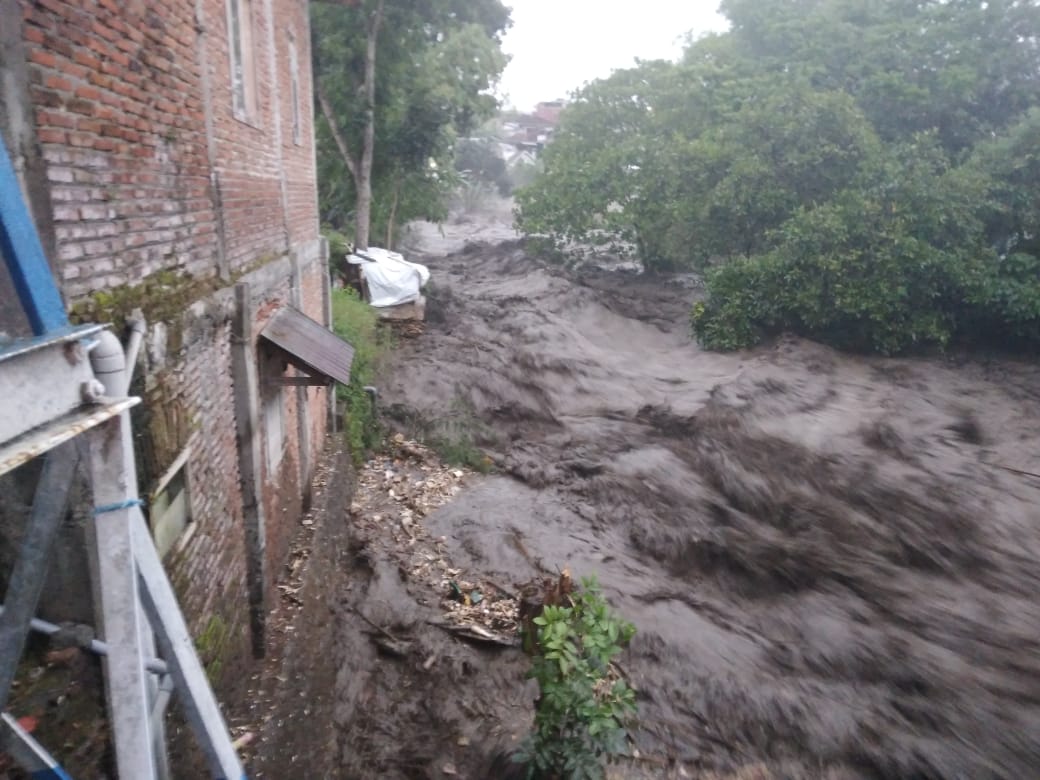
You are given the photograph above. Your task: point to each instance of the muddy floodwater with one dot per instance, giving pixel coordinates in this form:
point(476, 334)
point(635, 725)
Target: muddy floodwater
point(831, 560)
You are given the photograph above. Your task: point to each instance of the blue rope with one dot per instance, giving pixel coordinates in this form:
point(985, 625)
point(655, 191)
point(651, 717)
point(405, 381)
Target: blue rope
point(103, 510)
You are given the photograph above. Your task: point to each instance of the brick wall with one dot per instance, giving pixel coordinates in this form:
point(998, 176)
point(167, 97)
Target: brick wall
point(147, 158)
point(119, 115)
point(284, 487)
point(151, 169)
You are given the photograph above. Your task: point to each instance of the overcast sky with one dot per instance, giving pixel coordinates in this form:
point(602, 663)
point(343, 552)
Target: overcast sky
point(557, 45)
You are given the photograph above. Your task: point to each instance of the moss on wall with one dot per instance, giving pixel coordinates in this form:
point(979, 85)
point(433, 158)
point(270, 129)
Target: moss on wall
point(212, 645)
point(162, 297)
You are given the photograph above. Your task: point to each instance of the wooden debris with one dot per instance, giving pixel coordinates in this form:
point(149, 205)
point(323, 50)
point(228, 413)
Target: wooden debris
point(396, 493)
point(476, 632)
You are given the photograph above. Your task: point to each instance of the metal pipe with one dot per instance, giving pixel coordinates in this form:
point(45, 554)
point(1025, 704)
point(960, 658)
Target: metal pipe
point(109, 362)
point(138, 327)
point(162, 701)
point(29, 754)
point(96, 646)
point(29, 573)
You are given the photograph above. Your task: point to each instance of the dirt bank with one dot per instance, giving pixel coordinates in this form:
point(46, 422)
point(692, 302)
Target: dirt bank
point(831, 570)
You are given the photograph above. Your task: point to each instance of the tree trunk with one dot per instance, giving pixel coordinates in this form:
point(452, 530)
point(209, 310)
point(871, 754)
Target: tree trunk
point(363, 179)
point(337, 134)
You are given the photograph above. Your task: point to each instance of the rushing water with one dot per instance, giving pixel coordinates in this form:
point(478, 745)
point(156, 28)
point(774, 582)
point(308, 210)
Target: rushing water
point(831, 569)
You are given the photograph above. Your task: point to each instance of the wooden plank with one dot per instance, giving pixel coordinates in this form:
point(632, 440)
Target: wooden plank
point(300, 381)
point(45, 438)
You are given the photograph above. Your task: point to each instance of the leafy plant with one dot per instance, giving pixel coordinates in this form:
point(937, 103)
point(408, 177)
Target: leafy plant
point(584, 702)
point(887, 266)
point(356, 322)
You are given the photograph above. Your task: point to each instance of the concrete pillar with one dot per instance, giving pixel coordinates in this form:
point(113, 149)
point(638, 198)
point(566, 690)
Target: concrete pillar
point(247, 419)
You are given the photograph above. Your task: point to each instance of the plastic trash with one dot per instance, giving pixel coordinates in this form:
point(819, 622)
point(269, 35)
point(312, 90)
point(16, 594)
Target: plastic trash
point(391, 280)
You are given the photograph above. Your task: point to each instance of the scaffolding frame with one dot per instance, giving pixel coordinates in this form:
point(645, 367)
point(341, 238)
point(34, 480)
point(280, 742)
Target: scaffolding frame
point(59, 406)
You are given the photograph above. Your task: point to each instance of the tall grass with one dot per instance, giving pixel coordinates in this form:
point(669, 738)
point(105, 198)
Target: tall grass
point(358, 323)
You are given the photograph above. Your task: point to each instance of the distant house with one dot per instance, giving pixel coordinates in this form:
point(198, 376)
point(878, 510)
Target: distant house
point(166, 149)
point(521, 159)
point(549, 111)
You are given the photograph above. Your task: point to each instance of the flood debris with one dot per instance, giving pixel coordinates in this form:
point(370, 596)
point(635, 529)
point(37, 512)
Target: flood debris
point(398, 490)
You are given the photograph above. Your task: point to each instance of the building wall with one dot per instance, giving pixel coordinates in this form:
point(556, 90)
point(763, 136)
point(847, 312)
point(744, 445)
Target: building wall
point(119, 110)
point(163, 196)
point(549, 111)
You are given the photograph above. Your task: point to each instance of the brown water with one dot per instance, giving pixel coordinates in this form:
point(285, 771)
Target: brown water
point(830, 570)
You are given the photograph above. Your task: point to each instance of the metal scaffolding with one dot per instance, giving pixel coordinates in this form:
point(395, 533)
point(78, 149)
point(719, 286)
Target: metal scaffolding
point(65, 399)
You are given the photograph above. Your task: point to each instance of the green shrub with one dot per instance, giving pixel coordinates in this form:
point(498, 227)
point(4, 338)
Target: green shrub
point(339, 247)
point(898, 263)
point(584, 703)
point(356, 321)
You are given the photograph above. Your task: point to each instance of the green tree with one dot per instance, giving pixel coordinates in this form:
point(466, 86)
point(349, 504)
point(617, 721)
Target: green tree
point(663, 158)
point(1008, 299)
point(862, 172)
point(885, 266)
point(479, 161)
point(395, 81)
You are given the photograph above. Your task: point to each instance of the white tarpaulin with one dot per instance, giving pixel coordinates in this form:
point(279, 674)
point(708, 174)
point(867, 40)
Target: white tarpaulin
point(391, 280)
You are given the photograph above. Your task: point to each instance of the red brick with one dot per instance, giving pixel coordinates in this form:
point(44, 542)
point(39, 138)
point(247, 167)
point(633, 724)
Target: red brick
point(50, 5)
point(80, 106)
point(105, 31)
point(99, 79)
point(88, 93)
point(43, 97)
point(49, 136)
point(80, 139)
point(32, 35)
point(45, 118)
point(102, 144)
point(44, 58)
point(58, 83)
point(87, 60)
point(72, 70)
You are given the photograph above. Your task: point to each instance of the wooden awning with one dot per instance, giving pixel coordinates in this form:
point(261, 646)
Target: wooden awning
point(318, 352)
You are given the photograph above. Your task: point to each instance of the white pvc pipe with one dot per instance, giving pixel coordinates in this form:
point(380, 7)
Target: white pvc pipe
point(138, 327)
